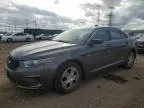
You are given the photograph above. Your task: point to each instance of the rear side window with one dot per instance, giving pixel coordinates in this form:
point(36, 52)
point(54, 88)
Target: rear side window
point(17, 34)
point(24, 34)
point(101, 34)
point(116, 34)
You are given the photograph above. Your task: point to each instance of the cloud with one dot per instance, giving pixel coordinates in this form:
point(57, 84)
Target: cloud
point(134, 2)
point(111, 2)
point(20, 15)
point(126, 12)
point(34, 10)
point(92, 6)
point(130, 13)
point(91, 12)
point(56, 2)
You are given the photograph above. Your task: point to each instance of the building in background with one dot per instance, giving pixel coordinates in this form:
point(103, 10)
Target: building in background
point(42, 31)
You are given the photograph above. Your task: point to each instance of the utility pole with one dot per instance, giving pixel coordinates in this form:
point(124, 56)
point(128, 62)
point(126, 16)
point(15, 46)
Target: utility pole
point(9, 26)
point(0, 28)
point(110, 16)
point(27, 23)
point(35, 23)
point(35, 26)
point(15, 27)
point(98, 14)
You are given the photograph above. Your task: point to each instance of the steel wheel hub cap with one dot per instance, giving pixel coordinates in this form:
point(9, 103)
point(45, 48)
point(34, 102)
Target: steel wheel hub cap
point(130, 59)
point(70, 77)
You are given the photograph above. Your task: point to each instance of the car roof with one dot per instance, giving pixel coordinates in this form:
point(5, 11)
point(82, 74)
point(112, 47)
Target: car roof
point(99, 28)
point(108, 27)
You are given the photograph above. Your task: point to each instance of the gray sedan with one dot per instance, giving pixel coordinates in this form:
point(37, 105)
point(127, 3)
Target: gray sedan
point(63, 62)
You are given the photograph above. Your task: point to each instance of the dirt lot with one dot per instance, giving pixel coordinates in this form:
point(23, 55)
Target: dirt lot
point(121, 89)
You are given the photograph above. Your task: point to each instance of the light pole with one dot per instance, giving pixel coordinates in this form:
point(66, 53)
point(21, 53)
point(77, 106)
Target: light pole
point(98, 14)
point(110, 16)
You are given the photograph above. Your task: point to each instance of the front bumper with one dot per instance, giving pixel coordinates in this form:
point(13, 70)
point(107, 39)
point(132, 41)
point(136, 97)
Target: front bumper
point(36, 78)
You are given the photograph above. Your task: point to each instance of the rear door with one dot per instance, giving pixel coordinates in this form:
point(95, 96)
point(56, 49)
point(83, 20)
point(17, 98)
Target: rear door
point(16, 37)
point(119, 44)
point(22, 37)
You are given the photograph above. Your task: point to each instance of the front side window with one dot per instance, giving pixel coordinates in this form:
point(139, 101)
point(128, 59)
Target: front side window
point(101, 34)
point(18, 34)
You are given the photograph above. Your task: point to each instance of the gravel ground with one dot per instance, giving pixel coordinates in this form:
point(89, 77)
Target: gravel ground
point(120, 89)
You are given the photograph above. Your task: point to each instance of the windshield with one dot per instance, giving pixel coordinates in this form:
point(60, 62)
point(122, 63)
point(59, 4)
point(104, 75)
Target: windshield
point(75, 36)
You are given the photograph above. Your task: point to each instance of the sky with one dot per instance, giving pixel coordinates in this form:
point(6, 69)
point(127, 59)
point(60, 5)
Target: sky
point(66, 14)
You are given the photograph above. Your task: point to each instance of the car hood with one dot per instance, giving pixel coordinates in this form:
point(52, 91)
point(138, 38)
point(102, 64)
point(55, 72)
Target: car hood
point(39, 49)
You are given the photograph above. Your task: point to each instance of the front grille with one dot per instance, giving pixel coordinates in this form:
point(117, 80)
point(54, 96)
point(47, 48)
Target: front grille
point(12, 63)
point(27, 82)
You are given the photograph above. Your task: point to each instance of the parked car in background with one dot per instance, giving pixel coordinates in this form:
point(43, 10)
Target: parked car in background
point(1, 36)
point(55, 35)
point(140, 42)
point(17, 37)
point(43, 37)
point(63, 62)
point(5, 35)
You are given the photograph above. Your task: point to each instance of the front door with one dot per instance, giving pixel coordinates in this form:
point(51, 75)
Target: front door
point(98, 55)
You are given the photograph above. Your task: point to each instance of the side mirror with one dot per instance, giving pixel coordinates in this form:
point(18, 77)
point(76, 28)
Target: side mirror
point(96, 41)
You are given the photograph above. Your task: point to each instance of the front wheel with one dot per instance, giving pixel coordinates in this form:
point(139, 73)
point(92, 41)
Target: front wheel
point(9, 40)
point(129, 62)
point(68, 78)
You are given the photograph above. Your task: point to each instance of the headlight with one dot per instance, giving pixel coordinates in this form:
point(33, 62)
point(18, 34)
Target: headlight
point(32, 63)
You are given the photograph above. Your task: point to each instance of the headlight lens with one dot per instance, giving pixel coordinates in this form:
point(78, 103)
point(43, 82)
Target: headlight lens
point(32, 63)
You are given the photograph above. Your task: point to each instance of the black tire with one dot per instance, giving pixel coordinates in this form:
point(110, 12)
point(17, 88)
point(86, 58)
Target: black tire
point(58, 83)
point(28, 39)
point(40, 38)
point(127, 64)
point(9, 40)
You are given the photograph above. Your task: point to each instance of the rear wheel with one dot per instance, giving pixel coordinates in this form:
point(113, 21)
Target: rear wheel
point(9, 40)
point(40, 38)
point(28, 39)
point(68, 78)
point(129, 62)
